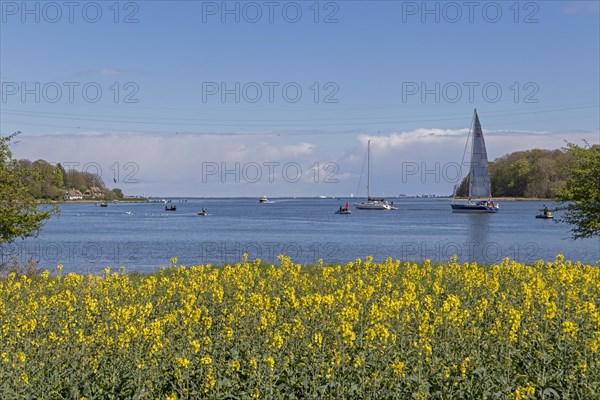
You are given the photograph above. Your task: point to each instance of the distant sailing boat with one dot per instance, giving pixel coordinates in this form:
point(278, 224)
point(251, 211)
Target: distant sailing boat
point(480, 191)
point(372, 203)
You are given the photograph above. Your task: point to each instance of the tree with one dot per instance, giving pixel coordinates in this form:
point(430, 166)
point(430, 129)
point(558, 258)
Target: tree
point(63, 175)
point(49, 181)
point(530, 173)
point(118, 193)
point(580, 196)
point(20, 215)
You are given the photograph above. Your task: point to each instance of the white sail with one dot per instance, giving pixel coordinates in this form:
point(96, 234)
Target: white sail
point(479, 176)
point(480, 192)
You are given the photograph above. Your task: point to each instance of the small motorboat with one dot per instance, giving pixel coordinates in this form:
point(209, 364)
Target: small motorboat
point(344, 210)
point(171, 207)
point(546, 214)
point(104, 204)
point(263, 199)
point(203, 212)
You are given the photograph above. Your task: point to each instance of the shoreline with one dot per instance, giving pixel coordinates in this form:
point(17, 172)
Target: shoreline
point(517, 199)
point(92, 201)
point(143, 200)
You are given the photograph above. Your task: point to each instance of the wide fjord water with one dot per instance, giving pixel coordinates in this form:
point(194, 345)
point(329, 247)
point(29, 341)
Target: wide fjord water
point(143, 236)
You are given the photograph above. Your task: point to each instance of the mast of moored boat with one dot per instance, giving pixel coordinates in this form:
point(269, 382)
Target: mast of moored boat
point(369, 170)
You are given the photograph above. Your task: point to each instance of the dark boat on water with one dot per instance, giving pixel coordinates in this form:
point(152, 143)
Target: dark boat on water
point(545, 214)
point(171, 207)
point(203, 213)
point(344, 210)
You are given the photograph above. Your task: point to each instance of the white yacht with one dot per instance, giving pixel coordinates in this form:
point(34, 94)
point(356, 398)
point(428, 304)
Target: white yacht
point(373, 203)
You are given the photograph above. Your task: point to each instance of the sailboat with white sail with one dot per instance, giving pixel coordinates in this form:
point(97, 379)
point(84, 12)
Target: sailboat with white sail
point(372, 203)
point(480, 190)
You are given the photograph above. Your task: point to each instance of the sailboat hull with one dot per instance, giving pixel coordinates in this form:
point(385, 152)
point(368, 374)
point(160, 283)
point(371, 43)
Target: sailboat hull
point(374, 206)
point(474, 208)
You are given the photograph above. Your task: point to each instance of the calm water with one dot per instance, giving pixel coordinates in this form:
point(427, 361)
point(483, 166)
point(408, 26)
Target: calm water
point(143, 237)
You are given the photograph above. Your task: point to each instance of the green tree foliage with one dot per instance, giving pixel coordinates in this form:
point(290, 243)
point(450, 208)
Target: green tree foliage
point(20, 215)
point(118, 193)
point(63, 173)
point(580, 196)
point(463, 188)
point(50, 182)
point(532, 173)
point(83, 181)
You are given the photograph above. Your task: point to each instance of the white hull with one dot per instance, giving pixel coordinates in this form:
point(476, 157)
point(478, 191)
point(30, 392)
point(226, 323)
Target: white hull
point(371, 205)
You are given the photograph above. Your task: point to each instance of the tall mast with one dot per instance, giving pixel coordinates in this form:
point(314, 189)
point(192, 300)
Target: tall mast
point(368, 170)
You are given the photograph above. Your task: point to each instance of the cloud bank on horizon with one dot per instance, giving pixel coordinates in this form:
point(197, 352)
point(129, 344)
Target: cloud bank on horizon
point(420, 161)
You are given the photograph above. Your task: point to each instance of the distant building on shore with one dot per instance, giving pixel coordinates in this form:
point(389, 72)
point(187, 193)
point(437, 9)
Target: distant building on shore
point(93, 192)
point(73, 194)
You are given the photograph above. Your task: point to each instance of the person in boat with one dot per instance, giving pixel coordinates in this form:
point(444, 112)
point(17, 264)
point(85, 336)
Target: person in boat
point(546, 210)
point(341, 209)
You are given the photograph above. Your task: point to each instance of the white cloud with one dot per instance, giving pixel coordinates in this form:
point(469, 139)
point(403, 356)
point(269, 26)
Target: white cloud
point(167, 163)
point(396, 141)
point(184, 164)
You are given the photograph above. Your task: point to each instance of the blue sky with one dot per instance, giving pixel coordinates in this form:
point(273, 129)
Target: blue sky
point(301, 98)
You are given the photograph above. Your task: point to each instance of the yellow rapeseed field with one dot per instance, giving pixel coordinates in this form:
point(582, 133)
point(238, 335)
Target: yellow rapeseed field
point(362, 330)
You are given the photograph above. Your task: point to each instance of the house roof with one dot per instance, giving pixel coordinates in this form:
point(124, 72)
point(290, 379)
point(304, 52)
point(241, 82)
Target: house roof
point(73, 192)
